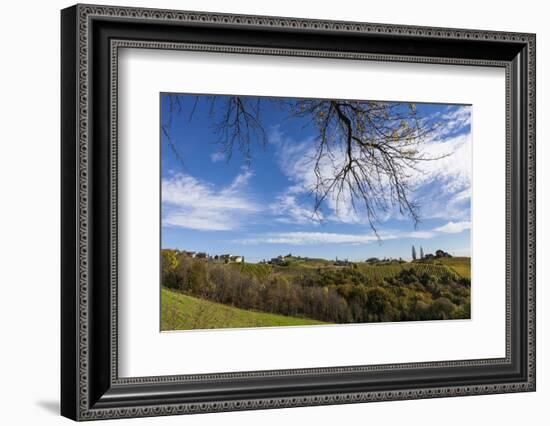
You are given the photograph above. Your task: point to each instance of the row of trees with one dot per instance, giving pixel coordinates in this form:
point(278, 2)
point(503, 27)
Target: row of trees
point(275, 294)
point(438, 254)
point(414, 252)
point(346, 300)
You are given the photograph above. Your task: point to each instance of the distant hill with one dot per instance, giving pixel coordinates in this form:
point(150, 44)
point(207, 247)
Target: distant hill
point(292, 290)
point(453, 267)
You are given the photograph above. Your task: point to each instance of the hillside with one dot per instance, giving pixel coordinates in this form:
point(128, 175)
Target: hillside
point(461, 265)
point(452, 267)
point(293, 290)
point(183, 312)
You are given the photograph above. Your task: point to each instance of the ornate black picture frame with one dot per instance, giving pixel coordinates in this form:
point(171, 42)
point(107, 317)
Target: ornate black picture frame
point(91, 387)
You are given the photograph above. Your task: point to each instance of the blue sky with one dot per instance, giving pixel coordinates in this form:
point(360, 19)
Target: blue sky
point(260, 210)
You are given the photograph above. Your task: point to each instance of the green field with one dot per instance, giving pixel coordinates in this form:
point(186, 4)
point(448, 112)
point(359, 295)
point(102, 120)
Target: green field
point(461, 265)
point(254, 269)
point(451, 266)
point(183, 312)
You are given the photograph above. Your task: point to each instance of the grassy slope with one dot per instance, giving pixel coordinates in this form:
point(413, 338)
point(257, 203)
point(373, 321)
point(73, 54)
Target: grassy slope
point(461, 265)
point(182, 312)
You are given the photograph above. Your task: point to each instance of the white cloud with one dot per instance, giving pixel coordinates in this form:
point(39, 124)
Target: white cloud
point(309, 238)
point(444, 188)
point(287, 209)
point(420, 234)
point(217, 157)
point(190, 203)
point(441, 186)
point(452, 121)
point(452, 164)
point(296, 160)
point(454, 227)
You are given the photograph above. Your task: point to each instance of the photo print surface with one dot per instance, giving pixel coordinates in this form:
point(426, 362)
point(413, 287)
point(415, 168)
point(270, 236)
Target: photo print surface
point(299, 212)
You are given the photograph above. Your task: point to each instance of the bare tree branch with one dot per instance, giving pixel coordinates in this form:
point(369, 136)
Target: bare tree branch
point(365, 155)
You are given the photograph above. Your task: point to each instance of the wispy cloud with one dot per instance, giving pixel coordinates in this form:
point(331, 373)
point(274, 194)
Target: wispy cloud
point(454, 227)
point(456, 119)
point(296, 160)
point(217, 156)
point(288, 209)
point(312, 238)
point(453, 163)
point(441, 187)
point(307, 238)
point(444, 191)
point(419, 234)
point(193, 204)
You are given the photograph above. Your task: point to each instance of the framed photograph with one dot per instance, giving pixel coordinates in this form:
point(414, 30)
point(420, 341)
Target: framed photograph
point(264, 212)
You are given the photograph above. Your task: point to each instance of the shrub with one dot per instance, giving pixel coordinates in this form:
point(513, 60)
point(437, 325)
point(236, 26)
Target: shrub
point(442, 308)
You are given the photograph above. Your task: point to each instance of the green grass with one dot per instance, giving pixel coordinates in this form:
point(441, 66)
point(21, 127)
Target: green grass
point(183, 312)
point(441, 267)
point(257, 270)
point(461, 265)
point(381, 271)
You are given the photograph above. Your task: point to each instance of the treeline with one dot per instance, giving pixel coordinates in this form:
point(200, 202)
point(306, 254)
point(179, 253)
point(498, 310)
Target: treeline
point(338, 296)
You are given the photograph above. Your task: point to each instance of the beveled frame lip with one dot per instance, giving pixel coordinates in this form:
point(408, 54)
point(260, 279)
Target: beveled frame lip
point(91, 388)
